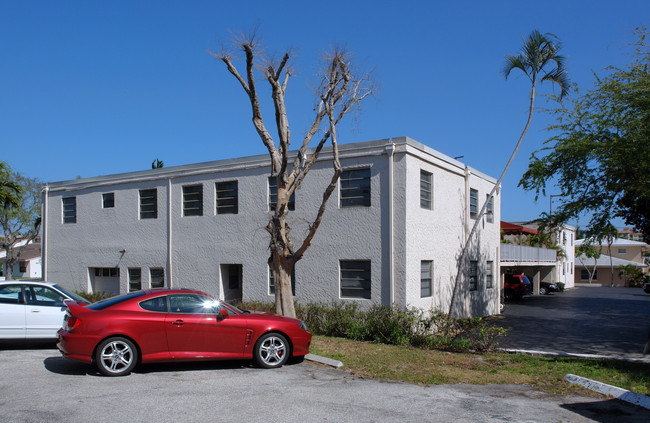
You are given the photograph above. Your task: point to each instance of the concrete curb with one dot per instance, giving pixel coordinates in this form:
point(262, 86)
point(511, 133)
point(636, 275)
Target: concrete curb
point(323, 360)
point(605, 389)
point(576, 355)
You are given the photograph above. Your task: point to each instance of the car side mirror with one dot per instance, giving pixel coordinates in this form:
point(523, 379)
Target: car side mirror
point(223, 313)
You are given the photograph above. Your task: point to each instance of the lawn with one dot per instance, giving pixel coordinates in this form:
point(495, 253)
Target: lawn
point(432, 367)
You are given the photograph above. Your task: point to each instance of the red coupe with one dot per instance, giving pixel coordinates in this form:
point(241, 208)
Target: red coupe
point(176, 325)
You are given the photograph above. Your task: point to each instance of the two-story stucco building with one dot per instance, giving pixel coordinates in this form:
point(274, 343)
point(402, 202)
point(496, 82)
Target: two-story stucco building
point(392, 232)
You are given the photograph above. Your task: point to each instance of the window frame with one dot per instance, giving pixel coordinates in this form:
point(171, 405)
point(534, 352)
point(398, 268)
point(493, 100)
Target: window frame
point(157, 276)
point(108, 200)
point(144, 194)
point(473, 203)
point(222, 187)
point(69, 210)
point(426, 280)
point(489, 274)
point(489, 209)
point(473, 275)
point(366, 293)
point(190, 209)
point(426, 178)
point(349, 195)
point(130, 272)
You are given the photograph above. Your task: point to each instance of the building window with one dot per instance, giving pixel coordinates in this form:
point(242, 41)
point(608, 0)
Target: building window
point(473, 275)
point(273, 195)
point(426, 183)
point(69, 209)
point(488, 274)
point(22, 266)
point(584, 275)
point(563, 269)
point(272, 282)
point(149, 203)
point(426, 278)
point(234, 276)
point(227, 195)
point(473, 203)
point(622, 250)
point(193, 200)
point(107, 272)
point(355, 279)
point(157, 277)
point(135, 279)
point(108, 200)
point(355, 188)
point(489, 211)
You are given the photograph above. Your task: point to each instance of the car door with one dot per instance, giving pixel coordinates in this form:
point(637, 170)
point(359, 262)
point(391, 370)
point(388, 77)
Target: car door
point(44, 311)
point(195, 331)
point(12, 312)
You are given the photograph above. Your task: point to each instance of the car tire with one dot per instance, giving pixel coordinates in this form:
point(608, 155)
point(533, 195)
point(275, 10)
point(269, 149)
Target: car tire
point(542, 291)
point(272, 350)
point(116, 356)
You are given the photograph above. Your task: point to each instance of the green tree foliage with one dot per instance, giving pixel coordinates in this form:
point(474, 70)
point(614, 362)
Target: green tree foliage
point(9, 189)
point(599, 155)
point(21, 221)
point(633, 276)
point(157, 164)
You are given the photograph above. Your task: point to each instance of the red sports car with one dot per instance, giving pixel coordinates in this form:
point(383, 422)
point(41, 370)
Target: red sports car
point(176, 325)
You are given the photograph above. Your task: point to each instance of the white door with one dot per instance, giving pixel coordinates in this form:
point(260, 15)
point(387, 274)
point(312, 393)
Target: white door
point(12, 310)
point(44, 312)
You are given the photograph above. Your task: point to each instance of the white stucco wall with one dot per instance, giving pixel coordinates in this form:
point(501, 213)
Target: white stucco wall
point(192, 249)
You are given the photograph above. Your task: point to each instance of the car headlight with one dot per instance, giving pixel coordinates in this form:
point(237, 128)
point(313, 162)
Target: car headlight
point(303, 326)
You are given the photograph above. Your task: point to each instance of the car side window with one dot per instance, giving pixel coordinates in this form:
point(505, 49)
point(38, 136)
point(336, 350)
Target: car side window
point(11, 294)
point(192, 304)
point(158, 304)
point(43, 296)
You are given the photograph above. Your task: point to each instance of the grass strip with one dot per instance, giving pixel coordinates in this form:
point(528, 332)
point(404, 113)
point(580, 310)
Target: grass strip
point(433, 367)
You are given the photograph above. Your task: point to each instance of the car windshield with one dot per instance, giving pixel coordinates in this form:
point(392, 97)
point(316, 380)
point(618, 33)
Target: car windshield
point(78, 298)
point(101, 305)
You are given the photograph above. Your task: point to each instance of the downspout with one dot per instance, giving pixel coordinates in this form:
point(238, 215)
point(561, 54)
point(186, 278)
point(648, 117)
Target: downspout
point(169, 231)
point(391, 227)
point(44, 220)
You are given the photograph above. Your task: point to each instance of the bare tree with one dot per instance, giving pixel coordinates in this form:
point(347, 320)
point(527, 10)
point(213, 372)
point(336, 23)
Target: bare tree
point(340, 90)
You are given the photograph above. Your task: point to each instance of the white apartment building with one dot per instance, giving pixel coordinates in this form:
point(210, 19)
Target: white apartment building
point(392, 233)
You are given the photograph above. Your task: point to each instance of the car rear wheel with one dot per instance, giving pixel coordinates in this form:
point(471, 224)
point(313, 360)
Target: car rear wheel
point(116, 356)
point(272, 350)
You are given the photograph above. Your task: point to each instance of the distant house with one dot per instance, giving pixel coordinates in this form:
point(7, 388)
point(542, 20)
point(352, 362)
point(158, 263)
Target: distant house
point(622, 252)
point(538, 263)
point(630, 234)
point(27, 264)
point(392, 233)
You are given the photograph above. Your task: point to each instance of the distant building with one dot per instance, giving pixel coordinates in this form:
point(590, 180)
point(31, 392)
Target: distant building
point(538, 263)
point(622, 252)
point(630, 234)
point(392, 232)
point(27, 264)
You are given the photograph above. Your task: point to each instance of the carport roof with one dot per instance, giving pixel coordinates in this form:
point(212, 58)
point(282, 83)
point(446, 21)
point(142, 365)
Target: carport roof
point(514, 229)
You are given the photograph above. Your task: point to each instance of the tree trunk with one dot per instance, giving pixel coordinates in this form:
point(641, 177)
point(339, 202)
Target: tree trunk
point(282, 270)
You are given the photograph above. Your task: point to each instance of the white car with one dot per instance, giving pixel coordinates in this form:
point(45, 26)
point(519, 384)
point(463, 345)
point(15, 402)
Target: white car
point(32, 310)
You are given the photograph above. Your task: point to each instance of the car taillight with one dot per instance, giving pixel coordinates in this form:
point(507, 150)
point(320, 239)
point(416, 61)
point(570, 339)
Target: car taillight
point(71, 322)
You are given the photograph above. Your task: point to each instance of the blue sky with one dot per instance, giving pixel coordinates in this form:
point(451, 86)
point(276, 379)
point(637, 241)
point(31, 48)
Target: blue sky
point(92, 88)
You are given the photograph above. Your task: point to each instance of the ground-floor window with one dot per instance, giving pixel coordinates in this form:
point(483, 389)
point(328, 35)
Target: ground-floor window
point(157, 277)
point(426, 278)
point(473, 275)
point(135, 279)
point(355, 279)
point(584, 275)
point(488, 274)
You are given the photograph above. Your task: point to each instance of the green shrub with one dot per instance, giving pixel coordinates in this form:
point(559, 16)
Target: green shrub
point(93, 297)
point(560, 286)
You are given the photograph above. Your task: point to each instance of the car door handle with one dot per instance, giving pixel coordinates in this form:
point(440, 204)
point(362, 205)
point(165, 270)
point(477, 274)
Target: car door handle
point(36, 311)
point(178, 323)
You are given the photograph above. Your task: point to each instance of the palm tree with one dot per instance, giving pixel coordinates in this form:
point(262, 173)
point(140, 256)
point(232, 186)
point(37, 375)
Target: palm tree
point(10, 190)
point(539, 61)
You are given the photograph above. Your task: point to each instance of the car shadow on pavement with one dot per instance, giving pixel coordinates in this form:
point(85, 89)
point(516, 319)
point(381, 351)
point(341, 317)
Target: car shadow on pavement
point(64, 366)
point(609, 411)
point(27, 345)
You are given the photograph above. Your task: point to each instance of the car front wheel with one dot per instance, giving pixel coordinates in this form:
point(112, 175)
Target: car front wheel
point(542, 291)
point(116, 356)
point(272, 350)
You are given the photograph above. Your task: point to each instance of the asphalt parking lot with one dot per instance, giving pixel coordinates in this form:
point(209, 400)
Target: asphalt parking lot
point(38, 385)
point(586, 320)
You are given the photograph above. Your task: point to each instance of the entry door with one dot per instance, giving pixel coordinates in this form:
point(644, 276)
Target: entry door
point(231, 282)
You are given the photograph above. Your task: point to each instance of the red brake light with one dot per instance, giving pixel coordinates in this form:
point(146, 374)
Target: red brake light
point(71, 323)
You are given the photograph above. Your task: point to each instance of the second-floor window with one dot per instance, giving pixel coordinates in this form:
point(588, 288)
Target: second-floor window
point(227, 196)
point(193, 200)
point(108, 200)
point(148, 204)
point(273, 195)
point(426, 184)
point(473, 203)
point(355, 187)
point(489, 211)
point(69, 209)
